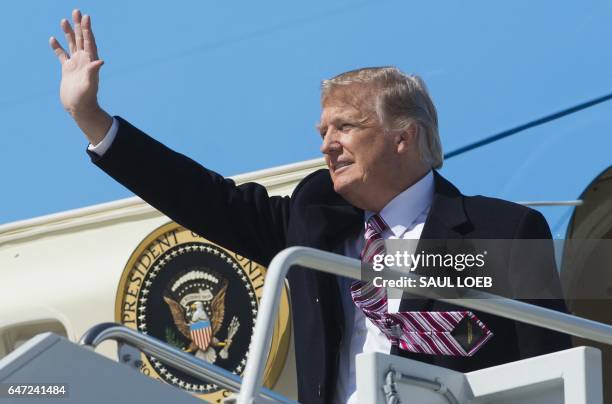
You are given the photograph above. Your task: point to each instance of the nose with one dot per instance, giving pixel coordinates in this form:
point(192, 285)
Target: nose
point(330, 143)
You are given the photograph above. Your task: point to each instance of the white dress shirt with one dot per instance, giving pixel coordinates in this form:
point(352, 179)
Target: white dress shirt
point(405, 214)
point(103, 146)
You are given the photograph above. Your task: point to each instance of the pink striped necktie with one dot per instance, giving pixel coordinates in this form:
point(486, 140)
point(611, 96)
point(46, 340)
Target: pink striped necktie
point(456, 333)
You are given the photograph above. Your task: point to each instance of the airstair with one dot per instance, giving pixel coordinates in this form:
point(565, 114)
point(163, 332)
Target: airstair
point(573, 376)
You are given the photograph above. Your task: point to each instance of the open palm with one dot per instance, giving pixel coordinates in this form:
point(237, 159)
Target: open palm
point(80, 69)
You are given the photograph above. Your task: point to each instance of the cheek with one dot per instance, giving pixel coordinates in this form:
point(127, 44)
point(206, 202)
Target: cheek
point(371, 152)
point(379, 162)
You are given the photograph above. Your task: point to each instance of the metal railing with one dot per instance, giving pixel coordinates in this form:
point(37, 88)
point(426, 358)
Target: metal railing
point(351, 268)
point(575, 202)
point(173, 357)
point(250, 386)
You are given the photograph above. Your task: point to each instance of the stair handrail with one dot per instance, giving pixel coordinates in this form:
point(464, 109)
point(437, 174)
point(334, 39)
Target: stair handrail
point(351, 268)
point(172, 356)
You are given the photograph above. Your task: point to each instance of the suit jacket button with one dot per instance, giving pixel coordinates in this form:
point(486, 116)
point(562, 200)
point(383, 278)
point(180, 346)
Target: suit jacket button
point(317, 299)
point(319, 390)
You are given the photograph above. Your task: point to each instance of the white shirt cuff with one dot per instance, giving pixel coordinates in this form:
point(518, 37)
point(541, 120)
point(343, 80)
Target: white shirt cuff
point(103, 146)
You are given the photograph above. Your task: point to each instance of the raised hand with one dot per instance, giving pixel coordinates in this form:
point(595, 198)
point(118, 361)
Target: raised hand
point(80, 77)
point(80, 70)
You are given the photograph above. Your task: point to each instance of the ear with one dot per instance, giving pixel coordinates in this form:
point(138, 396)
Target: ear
point(406, 140)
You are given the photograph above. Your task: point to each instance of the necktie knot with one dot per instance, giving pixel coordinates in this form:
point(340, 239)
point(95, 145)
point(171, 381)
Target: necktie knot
point(374, 243)
point(375, 224)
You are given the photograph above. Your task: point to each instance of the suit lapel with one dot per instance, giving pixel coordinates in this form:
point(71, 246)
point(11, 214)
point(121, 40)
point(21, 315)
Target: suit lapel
point(446, 220)
point(446, 217)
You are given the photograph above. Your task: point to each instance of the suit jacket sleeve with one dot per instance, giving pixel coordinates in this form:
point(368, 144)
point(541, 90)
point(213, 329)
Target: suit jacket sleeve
point(243, 218)
point(535, 278)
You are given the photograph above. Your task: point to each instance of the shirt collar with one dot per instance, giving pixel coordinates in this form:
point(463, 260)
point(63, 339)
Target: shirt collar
point(404, 209)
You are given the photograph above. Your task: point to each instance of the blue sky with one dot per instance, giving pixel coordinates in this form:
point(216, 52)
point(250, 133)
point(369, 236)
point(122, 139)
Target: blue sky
point(235, 85)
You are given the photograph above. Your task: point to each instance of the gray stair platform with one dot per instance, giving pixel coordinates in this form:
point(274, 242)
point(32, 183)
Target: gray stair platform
point(90, 377)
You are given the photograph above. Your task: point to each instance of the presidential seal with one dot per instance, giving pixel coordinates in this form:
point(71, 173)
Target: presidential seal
point(200, 298)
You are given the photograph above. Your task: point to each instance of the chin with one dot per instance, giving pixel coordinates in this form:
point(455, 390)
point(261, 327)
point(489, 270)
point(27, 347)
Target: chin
point(345, 189)
point(340, 186)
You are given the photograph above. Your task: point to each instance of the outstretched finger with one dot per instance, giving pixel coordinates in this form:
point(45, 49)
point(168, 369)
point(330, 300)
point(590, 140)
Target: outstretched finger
point(59, 51)
point(78, 32)
point(69, 33)
point(89, 42)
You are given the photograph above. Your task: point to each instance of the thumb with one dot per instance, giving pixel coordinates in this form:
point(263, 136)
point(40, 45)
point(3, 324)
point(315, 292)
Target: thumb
point(95, 66)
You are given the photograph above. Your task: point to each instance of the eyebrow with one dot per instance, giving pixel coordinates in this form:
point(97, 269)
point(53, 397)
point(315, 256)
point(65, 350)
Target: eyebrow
point(344, 118)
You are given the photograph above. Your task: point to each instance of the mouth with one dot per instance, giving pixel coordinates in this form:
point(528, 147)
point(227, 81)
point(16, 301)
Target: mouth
point(340, 166)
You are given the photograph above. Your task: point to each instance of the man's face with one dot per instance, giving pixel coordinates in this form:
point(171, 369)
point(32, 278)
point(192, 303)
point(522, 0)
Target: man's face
point(361, 157)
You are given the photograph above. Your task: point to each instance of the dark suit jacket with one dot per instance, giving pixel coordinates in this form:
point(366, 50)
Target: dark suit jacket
point(248, 221)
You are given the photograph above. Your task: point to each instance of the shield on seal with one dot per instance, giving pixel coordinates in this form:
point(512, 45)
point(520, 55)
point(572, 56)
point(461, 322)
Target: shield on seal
point(201, 333)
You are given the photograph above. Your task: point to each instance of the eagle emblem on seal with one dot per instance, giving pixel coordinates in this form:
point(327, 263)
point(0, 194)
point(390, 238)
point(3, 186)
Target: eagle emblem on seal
point(199, 315)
